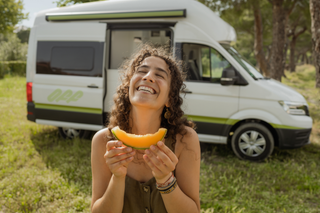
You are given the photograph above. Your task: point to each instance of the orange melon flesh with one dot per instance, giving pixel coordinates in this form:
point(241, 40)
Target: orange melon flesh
point(138, 141)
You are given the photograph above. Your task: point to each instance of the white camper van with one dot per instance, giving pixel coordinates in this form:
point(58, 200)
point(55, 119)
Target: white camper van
point(75, 52)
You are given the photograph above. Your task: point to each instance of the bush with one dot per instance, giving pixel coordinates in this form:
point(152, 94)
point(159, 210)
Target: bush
point(11, 48)
point(12, 68)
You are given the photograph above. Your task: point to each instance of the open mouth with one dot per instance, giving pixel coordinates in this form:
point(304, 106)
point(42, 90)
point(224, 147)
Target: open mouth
point(146, 89)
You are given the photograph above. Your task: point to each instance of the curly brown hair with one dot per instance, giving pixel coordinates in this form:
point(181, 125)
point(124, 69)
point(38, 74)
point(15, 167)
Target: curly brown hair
point(176, 123)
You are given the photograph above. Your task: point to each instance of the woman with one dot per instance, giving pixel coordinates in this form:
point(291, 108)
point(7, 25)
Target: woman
point(163, 178)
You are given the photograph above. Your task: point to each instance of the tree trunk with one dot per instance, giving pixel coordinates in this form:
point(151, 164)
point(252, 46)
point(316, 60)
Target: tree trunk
point(278, 39)
point(284, 60)
point(292, 63)
point(258, 40)
point(315, 29)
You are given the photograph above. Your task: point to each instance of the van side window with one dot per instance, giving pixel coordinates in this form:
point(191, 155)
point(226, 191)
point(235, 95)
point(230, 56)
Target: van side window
point(218, 64)
point(70, 58)
point(125, 42)
point(203, 63)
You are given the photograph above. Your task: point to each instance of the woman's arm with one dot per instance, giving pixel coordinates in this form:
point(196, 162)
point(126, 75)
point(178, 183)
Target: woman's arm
point(109, 168)
point(184, 198)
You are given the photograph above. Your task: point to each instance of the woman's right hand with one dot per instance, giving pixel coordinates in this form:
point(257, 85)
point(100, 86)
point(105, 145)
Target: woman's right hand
point(118, 157)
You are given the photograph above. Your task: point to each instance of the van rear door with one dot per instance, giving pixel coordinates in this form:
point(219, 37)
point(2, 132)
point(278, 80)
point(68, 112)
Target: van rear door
point(68, 84)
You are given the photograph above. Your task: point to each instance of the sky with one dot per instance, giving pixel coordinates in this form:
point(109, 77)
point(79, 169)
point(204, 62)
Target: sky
point(34, 6)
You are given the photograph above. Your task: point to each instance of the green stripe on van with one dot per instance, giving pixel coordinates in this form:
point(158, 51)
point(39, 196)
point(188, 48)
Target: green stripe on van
point(212, 119)
point(233, 121)
point(68, 108)
point(142, 14)
point(279, 126)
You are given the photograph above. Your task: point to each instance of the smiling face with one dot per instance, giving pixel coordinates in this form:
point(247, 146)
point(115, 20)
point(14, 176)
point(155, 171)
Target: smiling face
point(150, 84)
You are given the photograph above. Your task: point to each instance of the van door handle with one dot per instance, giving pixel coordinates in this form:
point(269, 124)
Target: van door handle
point(92, 86)
point(186, 91)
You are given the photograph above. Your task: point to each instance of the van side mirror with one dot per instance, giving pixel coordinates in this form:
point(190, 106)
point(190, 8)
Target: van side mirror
point(229, 76)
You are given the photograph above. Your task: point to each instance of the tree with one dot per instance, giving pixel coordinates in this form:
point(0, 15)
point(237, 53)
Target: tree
point(63, 3)
point(252, 25)
point(10, 15)
point(315, 29)
point(23, 35)
point(258, 41)
point(12, 49)
point(281, 11)
point(298, 24)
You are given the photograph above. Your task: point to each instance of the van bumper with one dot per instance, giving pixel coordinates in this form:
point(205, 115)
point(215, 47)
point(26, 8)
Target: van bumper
point(31, 112)
point(293, 138)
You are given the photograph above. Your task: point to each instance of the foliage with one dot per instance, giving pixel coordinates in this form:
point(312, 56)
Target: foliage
point(239, 14)
point(11, 14)
point(40, 172)
point(12, 49)
point(23, 35)
point(63, 3)
point(13, 68)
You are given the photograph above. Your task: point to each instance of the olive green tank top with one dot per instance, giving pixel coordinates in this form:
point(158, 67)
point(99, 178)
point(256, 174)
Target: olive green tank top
point(143, 197)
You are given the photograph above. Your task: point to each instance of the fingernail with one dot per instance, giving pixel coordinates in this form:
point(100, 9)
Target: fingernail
point(153, 147)
point(119, 143)
point(128, 149)
point(147, 151)
point(160, 143)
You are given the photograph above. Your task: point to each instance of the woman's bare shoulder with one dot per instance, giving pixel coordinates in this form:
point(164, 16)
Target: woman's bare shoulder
point(188, 141)
point(100, 138)
point(190, 136)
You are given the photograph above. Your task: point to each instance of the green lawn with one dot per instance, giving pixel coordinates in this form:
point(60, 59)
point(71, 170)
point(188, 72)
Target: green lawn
point(40, 172)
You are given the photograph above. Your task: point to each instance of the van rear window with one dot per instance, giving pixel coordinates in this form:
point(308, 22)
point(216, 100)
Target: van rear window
point(70, 58)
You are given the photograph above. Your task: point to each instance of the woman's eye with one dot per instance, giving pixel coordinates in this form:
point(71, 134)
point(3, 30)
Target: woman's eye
point(160, 76)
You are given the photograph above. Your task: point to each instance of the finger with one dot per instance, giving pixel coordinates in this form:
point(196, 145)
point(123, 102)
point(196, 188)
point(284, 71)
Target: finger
point(154, 169)
point(123, 162)
point(112, 144)
point(117, 151)
point(170, 165)
point(121, 157)
point(155, 159)
point(168, 152)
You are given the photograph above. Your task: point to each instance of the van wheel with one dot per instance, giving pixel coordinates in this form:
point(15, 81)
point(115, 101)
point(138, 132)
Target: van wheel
point(70, 133)
point(252, 141)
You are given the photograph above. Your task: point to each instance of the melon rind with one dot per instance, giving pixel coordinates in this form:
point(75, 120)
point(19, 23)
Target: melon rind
point(139, 148)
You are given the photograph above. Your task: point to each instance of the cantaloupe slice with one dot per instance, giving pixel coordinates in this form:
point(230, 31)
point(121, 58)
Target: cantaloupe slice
point(138, 141)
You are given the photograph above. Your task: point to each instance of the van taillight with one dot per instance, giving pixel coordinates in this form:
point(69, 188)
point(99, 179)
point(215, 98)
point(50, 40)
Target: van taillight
point(29, 91)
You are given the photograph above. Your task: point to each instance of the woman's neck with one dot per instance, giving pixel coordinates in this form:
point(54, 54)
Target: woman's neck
point(144, 120)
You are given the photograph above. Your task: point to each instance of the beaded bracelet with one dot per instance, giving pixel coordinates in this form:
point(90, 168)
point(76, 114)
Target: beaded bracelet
point(169, 188)
point(170, 179)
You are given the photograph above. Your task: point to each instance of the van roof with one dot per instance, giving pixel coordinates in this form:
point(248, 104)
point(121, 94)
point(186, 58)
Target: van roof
point(197, 17)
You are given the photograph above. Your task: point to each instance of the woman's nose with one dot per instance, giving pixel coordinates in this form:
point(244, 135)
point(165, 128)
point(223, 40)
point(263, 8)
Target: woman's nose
point(148, 77)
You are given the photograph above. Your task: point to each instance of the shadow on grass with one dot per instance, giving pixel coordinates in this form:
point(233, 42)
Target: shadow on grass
point(220, 152)
point(71, 158)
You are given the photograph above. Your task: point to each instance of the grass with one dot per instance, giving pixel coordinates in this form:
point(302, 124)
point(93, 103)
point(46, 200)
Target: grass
point(40, 172)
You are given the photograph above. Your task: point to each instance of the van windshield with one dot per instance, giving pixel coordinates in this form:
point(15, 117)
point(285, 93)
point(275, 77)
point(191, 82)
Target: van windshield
point(243, 62)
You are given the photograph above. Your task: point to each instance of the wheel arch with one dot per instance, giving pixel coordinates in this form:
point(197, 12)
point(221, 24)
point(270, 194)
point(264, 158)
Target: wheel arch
point(253, 120)
point(253, 116)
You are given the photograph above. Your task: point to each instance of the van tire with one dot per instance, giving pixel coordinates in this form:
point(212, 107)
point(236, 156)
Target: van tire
point(252, 141)
point(70, 133)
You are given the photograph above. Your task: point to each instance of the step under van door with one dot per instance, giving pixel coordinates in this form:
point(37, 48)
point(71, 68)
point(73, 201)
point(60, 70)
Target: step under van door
point(68, 85)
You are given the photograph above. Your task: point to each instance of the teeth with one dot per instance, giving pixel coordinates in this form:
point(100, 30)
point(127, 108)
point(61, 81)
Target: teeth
point(147, 89)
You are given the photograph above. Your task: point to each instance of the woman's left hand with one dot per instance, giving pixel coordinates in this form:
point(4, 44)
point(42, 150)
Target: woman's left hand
point(161, 160)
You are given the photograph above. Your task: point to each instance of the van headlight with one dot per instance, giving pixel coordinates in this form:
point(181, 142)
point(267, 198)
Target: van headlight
point(295, 108)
